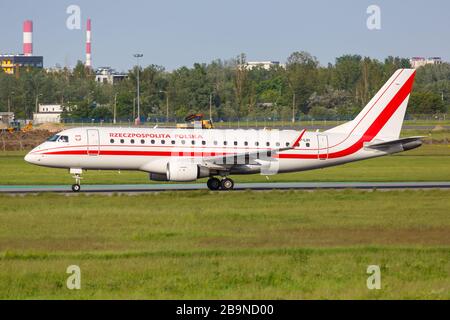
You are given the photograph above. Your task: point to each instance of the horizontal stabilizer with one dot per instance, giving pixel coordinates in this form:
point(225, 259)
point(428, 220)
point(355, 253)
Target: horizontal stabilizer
point(404, 143)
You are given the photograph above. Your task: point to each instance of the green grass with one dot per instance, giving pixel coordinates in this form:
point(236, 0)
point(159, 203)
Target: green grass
point(441, 135)
point(275, 245)
point(427, 163)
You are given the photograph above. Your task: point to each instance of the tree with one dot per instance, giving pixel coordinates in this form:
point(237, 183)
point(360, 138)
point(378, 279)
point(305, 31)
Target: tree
point(240, 82)
point(302, 77)
point(425, 102)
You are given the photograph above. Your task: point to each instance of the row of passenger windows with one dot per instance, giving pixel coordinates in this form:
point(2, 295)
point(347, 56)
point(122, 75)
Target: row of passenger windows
point(193, 142)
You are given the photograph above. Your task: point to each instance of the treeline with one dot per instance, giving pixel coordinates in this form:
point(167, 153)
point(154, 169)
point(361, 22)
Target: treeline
point(302, 86)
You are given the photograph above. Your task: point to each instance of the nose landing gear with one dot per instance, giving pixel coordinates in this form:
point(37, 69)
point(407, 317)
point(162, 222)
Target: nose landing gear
point(76, 187)
point(76, 174)
point(216, 184)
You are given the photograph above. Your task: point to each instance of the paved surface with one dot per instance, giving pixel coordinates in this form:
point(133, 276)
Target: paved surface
point(130, 188)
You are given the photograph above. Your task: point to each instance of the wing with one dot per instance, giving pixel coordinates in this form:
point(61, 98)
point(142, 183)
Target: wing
point(251, 157)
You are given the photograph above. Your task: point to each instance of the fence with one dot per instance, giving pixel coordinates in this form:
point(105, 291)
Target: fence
point(259, 122)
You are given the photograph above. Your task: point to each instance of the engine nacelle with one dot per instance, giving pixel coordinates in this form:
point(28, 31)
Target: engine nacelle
point(158, 177)
point(183, 171)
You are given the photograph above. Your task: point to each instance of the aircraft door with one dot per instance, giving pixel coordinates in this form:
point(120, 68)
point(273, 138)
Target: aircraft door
point(322, 143)
point(93, 141)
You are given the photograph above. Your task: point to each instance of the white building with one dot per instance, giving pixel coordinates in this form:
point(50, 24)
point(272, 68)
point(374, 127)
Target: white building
point(417, 62)
point(249, 65)
point(6, 117)
point(48, 113)
point(108, 75)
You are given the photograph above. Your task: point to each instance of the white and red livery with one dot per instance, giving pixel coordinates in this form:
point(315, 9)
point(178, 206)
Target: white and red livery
point(170, 154)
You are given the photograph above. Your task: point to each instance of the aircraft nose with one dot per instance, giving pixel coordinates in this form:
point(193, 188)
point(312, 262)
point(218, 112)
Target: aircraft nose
point(31, 158)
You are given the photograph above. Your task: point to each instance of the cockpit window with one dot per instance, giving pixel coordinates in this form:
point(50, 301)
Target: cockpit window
point(63, 139)
point(53, 138)
point(58, 138)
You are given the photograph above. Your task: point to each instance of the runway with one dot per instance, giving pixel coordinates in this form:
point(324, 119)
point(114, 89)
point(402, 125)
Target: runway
point(136, 188)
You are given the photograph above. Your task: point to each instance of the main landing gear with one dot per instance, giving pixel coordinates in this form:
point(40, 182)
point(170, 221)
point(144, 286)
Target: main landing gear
point(76, 174)
point(216, 184)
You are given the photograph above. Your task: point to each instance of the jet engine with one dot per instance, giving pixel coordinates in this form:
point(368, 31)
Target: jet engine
point(185, 171)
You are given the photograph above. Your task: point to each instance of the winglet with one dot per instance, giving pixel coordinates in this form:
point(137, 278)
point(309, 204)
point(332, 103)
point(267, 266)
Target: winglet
point(297, 142)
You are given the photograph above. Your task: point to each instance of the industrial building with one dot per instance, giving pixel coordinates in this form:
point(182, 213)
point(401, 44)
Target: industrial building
point(261, 64)
point(48, 113)
point(12, 63)
point(6, 117)
point(108, 75)
point(417, 62)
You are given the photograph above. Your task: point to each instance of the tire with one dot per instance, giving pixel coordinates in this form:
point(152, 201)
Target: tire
point(227, 184)
point(76, 187)
point(213, 184)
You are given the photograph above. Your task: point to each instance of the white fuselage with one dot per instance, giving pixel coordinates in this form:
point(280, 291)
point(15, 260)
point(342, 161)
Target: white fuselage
point(150, 149)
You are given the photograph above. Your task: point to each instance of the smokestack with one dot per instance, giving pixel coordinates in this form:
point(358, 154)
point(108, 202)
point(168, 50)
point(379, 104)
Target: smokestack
point(28, 38)
point(88, 44)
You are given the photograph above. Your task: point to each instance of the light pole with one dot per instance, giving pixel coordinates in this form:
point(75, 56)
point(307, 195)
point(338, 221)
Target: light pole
point(37, 101)
point(293, 108)
point(167, 104)
point(137, 56)
point(210, 107)
point(9, 100)
point(114, 111)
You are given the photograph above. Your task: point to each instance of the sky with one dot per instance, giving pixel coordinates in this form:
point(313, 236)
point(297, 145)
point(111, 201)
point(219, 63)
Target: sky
point(175, 33)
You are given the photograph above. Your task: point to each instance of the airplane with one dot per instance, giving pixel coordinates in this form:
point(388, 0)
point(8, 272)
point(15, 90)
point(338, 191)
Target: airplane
point(174, 154)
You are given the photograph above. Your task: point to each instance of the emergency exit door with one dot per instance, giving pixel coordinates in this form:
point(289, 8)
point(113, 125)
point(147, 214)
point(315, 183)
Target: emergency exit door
point(93, 141)
point(322, 142)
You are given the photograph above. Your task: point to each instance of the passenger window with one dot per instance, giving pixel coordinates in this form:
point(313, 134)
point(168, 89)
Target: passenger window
point(173, 141)
point(142, 141)
point(235, 143)
point(112, 140)
point(256, 143)
point(307, 144)
point(132, 141)
point(287, 144)
point(268, 144)
point(183, 142)
point(224, 143)
point(245, 143)
point(277, 144)
point(215, 143)
point(152, 141)
point(193, 142)
point(122, 141)
point(163, 141)
point(203, 142)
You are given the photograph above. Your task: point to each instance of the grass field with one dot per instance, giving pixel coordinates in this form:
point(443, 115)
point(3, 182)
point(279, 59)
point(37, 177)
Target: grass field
point(427, 163)
point(275, 245)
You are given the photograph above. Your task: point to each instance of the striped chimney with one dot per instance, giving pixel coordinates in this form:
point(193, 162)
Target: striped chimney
point(88, 44)
point(28, 38)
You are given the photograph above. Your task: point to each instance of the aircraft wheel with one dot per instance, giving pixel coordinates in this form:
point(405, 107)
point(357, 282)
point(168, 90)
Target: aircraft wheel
point(227, 184)
point(76, 187)
point(213, 184)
